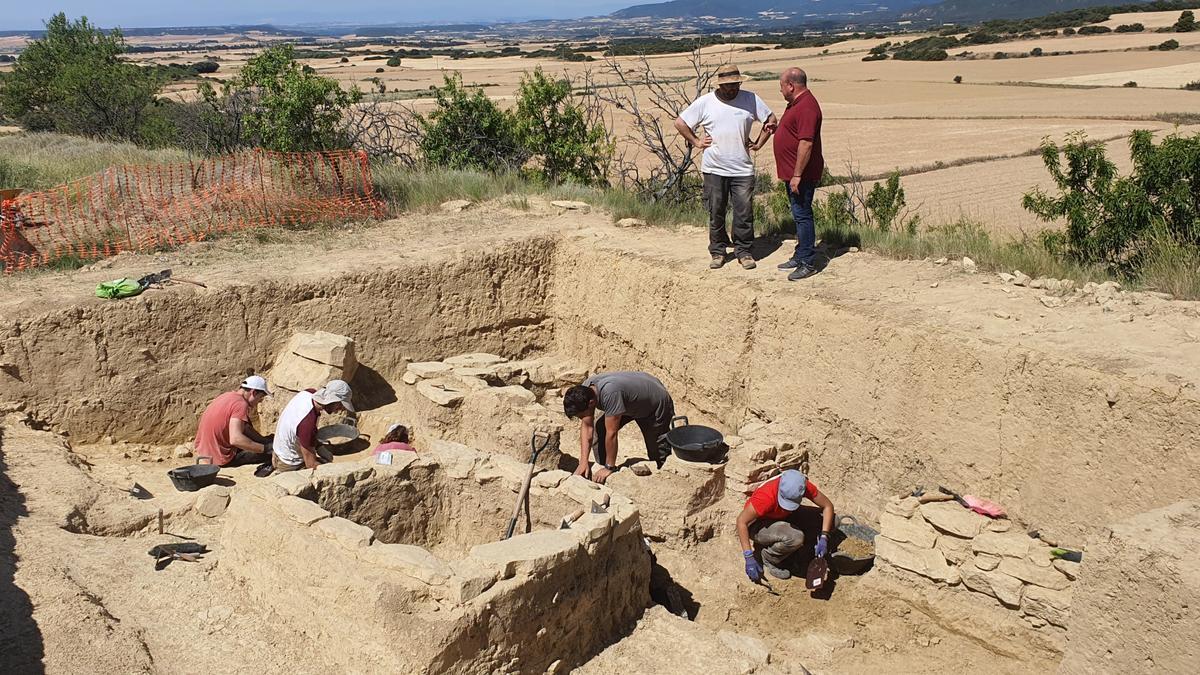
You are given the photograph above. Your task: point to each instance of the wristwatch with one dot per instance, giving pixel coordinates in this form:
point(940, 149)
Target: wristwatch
point(610, 467)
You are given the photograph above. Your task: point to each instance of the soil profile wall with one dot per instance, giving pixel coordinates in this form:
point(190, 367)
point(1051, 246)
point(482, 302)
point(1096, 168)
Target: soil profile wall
point(884, 405)
point(142, 369)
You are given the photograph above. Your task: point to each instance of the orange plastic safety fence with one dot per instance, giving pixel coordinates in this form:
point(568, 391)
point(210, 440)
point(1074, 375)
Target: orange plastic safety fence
point(144, 208)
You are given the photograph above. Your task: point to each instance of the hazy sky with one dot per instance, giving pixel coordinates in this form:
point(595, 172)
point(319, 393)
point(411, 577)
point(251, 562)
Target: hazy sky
point(19, 15)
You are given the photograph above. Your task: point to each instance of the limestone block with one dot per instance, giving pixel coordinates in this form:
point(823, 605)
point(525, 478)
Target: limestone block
point(295, 373)
point(400, 462)
point(456, 459)
point(505, 398)
point(1071, 569)
point(455, 205)
point(469, 383)
point(328, 348)
point(413, 561)
point(631, 222)
point(956, 549)
point(533, 553)
point(410, 378)
point(1009, 544)
point(924, 561)
point(548, 480)
point(1000, 586)
point(580, 489)
point(752, 430)
point(471, 578)
point(342, 473)
point(212, 501)
point(734, 442)
point(442, 391)
point(905, 508)
point(913, 531)
point(1136, 606)
point(349, 533)
point(758, 451)
point(302, 511)
point(951, 517)
point(475, 360)
point(792, 458)
point(1051, 606)
point(646, 468)
point(501, 467)
point(626, 514)
point(473, 371)
point(429, 369)
point(755, 649)
point(593, 527)
point(1046, 577)
point(1001, 525)
point(747, 471)
point(987, 562)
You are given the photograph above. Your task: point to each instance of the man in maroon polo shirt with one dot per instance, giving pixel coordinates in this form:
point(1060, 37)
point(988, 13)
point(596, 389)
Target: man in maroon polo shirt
point(799, 164)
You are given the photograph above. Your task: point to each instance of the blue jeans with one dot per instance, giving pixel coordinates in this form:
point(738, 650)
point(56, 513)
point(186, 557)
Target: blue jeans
point(802, 213)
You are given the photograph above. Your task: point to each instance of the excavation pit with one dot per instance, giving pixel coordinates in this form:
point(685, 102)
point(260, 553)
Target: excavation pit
point(415, 549)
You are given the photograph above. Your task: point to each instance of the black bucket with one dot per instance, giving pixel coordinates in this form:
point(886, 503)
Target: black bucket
point(842, 561)
point(194, 477)
point(695, 442)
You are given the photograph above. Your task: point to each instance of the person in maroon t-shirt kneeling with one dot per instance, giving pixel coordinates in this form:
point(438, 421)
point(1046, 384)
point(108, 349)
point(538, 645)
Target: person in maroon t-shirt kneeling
point(799, 164)
point(764, 520)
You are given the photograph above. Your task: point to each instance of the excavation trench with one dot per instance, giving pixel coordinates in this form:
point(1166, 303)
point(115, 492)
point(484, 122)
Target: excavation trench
point(870, 406)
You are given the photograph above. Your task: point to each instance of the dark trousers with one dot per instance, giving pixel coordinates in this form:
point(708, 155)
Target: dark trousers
point(802, 213)
point(652, 430)
point(719, 191)
point(244, 457)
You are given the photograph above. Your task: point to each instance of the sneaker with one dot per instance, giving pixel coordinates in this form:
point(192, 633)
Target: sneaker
point(777, 572)
point(747, 262)
point(718, 261)
point(789, 265)
point(801, 272)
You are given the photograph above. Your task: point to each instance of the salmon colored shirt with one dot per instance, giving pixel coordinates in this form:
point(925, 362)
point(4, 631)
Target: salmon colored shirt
point(212, 435)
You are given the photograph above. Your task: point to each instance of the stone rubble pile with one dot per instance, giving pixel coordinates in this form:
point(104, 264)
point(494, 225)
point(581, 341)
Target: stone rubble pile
point(958, 548)
point(307, 361)
point(759, 453)
point(447, 382)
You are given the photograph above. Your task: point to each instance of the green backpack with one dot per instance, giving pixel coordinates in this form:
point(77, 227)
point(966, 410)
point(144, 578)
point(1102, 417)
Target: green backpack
point(119, 288)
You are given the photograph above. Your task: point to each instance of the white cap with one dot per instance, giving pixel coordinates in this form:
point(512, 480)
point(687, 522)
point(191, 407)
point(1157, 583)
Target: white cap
point(394, 427)
point(257, 383)
point(336, 391)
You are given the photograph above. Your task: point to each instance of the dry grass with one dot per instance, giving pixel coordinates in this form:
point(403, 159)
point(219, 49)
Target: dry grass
point(40, 161)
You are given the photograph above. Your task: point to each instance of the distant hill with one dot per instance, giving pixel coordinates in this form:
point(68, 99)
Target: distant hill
point(795, 10)
point(949, 11)
point(970, 11)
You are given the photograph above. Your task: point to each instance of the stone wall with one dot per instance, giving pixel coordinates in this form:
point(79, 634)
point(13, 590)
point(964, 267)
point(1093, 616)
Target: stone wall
point(944, 543)
point(519, 605)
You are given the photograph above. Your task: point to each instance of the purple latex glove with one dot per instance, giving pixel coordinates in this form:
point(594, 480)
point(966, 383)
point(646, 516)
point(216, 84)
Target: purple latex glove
point(753, 569)
point(822, 545)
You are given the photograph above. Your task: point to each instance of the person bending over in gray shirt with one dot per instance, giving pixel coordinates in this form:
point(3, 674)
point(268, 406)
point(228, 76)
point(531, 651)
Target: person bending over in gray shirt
point(604, 403)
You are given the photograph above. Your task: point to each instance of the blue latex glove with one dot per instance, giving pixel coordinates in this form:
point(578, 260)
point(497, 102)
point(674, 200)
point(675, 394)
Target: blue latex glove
point(753, 569)
point(822, 545)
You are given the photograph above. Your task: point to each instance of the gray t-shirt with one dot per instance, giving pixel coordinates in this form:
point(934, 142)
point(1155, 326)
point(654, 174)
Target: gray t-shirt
point(631, 394)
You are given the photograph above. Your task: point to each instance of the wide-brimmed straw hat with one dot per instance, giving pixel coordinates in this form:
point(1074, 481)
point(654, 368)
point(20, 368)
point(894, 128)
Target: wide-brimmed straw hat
point(729, 74)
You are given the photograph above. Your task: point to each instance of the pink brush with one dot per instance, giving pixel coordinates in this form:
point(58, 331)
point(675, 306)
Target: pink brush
point(983, 506)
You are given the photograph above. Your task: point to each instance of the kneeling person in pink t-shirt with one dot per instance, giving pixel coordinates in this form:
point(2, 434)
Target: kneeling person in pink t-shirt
point(396, 439)
point(225, 433)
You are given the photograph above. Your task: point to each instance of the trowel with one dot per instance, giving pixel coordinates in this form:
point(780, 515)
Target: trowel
point(602, 505)
point(567, 520)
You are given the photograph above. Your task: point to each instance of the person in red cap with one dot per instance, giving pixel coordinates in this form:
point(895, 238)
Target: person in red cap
point(225, 433)
point(765, 521)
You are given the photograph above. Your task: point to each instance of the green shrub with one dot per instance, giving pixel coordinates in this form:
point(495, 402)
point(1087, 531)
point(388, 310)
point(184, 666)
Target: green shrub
point(555, 130)
point(1116, 220)
point(294, 109)
point(1068, 31)
point(73, 80)
point(875, 57)
point(468, 131)
point(1168, 45)
point(1194, 85)
point(1000, 55)
point(958, 79)
point(884, 204)
point(206, 67)
point(1131, 84)
point(1094, 30)
point(1186, 22)
point(1130, 28)
point(1036, 51)
point(394, 62)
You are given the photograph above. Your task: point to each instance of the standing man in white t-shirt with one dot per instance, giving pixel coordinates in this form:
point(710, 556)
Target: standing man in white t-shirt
point(727, 116)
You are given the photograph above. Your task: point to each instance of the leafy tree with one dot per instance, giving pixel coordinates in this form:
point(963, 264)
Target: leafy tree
point(884, 203)
point(73, 80)
point(282, 105)
point(1186, 22)
point(1113, 219)
point(394, 61)
point(468, 131)
point(556, 129)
